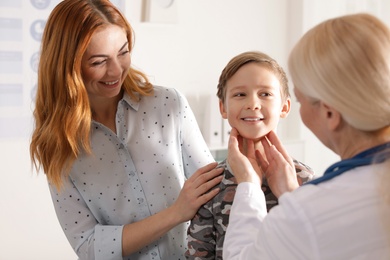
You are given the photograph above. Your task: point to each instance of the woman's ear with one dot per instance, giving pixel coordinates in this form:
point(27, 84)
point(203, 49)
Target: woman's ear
point(222, 109)
point(332, 117)
point(285, 108)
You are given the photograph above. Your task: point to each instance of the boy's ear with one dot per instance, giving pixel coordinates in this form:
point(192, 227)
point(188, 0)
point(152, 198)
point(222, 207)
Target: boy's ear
point(285, 108)
point(222, 109)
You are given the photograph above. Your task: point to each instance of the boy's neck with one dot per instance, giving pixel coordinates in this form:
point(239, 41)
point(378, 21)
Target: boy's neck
point(259, 146)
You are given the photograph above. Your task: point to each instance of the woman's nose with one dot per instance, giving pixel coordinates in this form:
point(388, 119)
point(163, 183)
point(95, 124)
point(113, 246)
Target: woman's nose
point(114, 68)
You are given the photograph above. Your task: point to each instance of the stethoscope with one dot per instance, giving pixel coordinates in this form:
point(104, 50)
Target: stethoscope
point(377, 154)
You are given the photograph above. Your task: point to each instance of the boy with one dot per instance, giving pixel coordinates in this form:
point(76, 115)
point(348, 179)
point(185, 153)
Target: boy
point(253, 95)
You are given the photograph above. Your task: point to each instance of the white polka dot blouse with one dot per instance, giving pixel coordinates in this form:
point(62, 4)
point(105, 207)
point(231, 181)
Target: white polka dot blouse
point(131, 175)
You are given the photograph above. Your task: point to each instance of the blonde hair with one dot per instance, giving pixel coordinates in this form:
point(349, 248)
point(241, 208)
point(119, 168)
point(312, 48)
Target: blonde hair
point(345, 62)
point(248, 57)
point(62, 111)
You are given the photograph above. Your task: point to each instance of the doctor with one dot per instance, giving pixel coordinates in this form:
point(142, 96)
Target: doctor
point(341, 75)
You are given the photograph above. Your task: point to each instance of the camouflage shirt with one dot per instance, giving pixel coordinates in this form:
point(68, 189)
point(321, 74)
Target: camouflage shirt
point(206, 232)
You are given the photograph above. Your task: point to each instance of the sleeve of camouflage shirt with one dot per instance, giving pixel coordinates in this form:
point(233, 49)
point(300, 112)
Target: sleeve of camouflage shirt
point(304, 172)
point(201, 235)
point(206, 233)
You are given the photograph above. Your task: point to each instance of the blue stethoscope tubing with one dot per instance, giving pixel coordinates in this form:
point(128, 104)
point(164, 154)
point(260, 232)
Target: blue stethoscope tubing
point(377, 154)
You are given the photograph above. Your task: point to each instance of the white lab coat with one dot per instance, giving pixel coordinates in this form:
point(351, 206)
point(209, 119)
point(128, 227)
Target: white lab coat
point(338, 219)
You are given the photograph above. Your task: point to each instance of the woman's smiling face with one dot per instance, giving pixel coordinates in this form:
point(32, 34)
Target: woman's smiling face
point(106, 62)
point(253, 103)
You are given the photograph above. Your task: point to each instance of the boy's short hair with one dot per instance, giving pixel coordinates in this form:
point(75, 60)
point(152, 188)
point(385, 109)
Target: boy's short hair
point(247, 57)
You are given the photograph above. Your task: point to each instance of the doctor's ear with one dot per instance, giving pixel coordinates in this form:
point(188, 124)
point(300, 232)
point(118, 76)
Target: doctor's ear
point(332, 116)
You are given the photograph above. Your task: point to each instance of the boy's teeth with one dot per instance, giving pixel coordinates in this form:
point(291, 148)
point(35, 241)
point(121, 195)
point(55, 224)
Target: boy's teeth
point(252, 119)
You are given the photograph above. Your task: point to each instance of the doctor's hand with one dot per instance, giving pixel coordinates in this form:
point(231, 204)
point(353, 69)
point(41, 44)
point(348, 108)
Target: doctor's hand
point(242, 159)
point(278, 166)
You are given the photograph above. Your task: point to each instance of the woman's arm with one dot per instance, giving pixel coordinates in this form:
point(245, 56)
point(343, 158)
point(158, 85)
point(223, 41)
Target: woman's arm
point(92, 240)
point(194, 150)
point(194, 194)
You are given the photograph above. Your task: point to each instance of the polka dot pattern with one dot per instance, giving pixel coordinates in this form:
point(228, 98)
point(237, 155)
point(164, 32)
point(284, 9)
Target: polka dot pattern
point(132, 175)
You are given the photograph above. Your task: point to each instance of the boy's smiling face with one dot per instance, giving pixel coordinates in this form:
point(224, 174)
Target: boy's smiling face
point(253, 103)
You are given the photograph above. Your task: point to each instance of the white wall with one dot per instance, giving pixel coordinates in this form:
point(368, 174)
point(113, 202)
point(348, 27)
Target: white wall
point(189, 55)
point(28, 225)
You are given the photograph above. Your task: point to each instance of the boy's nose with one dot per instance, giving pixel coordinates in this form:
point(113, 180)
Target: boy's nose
point(253, 103)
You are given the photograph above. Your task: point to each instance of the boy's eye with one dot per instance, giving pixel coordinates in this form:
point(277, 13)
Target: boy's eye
point(266, 94)
point(124, 52)
point(239, 94)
